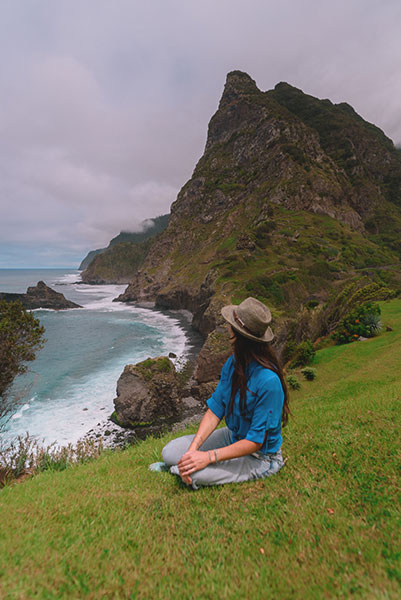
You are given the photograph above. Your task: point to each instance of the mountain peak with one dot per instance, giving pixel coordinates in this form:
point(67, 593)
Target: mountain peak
point(284, 85)
point(238, 84)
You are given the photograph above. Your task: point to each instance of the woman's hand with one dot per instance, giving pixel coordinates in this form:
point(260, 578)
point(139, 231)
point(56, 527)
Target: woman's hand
point(192, 461)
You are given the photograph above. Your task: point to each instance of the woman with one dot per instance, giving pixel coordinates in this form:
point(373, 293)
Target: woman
point(253, 399)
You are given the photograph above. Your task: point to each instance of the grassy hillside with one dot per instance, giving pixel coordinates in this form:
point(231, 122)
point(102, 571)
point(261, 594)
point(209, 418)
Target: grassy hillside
point(327, 526)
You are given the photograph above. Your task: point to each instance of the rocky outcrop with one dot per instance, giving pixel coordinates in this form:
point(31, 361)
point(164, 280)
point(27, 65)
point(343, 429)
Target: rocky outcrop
point(147, 394)
point(213, 354)
point(40, 296)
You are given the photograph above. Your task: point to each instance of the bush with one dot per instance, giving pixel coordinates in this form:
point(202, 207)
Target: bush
point(309, 373)
point(26, 454)
point(289, 350)
point(21, 335)
point(293, 382)
point(303, 355)
point(373, 323)
point(362, 321)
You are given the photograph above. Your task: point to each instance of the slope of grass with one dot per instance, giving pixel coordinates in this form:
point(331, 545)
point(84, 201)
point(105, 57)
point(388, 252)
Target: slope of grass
point(295, 254)
point(327, 526)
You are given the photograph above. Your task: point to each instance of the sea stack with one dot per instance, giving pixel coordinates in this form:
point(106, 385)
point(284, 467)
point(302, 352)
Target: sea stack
point(40, 296)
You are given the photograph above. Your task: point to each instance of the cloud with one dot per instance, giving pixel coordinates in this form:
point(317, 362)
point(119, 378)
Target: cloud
point(104, 106)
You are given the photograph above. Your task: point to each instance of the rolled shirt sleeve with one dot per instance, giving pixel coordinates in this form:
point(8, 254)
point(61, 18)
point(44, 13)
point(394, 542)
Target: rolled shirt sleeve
point(268, 409)
point(218, 400)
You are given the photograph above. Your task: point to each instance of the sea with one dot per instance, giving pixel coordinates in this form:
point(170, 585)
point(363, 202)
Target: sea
point(70, 386)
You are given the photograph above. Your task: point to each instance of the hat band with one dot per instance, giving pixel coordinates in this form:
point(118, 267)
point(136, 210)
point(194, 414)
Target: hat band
point(241, 322)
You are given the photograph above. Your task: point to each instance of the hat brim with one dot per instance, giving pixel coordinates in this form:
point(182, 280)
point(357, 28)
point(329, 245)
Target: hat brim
point(228, 314)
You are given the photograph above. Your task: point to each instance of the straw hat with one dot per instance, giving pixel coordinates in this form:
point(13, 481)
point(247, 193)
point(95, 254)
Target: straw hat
point(250, 318)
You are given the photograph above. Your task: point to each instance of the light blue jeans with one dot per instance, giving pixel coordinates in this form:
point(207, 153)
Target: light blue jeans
point(235, 470)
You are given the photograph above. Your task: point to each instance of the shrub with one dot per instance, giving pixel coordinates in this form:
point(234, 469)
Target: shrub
point(362, 321)
point(373, 323)
point(289, 350)
point(351, 296)
point(303, 355)
point(309, 373)
point(26, 454)
point(293, 382)
point(21, 335)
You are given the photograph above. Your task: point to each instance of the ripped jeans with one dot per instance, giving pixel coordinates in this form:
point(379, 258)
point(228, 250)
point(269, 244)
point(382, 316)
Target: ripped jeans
point(235, 470)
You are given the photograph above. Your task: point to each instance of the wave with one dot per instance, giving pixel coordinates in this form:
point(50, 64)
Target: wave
point(68, 278)
point(23, 408)
point(70, 400)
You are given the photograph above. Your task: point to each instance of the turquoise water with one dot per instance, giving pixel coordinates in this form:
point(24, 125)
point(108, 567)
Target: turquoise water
point(71, 384)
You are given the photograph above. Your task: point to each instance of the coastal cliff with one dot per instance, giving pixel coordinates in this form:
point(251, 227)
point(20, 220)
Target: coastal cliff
point(124, 255)
point(292, 197)
point(118, 264)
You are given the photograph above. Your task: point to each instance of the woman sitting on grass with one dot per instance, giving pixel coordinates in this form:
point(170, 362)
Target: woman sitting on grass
point(253, 399)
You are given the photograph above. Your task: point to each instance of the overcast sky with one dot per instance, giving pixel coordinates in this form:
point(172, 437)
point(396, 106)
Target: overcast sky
point(104, 105)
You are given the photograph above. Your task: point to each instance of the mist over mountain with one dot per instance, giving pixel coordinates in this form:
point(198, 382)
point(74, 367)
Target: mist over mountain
point(123, 255)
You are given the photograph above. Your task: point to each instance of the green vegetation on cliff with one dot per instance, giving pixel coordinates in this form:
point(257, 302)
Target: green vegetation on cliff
point(358, 147)
point(327, 526)
point(120, 264)
point(293, 198)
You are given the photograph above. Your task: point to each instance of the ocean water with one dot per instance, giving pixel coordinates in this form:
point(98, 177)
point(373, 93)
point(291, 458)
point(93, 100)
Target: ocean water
point(71, 384)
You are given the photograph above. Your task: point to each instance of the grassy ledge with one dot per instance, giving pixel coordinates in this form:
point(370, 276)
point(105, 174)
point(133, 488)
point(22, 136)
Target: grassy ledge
point(327, 526)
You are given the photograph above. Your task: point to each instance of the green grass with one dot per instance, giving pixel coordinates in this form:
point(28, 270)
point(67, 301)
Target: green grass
point(327, 526)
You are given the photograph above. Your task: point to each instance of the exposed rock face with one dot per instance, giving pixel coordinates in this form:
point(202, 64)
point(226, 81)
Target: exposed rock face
point(147, 394)
point(292, 196)
point(214, 353)
point(40, 296)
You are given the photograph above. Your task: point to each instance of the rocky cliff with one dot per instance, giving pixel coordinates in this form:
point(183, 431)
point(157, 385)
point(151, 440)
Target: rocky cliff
point(292, 196)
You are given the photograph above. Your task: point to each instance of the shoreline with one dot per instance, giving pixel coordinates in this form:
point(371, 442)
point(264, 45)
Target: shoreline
point(113, 436)
point(188, 351)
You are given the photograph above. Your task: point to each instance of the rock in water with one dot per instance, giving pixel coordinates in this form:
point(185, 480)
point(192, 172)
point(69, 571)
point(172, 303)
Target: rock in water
point(40, 296)
point(147, 394)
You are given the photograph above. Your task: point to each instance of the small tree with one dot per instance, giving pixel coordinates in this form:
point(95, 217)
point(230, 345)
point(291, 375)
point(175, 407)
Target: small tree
point(303, 355)
point(21, 336)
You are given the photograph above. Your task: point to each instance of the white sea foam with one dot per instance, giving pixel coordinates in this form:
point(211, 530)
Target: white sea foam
point(61, 418)
point(68, 278)
point(18, 415)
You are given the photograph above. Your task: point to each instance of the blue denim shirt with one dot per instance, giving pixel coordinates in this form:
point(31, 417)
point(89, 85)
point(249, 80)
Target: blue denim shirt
point(264, 399)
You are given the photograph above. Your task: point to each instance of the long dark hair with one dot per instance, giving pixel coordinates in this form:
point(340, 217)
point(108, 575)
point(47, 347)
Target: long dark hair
point(246, 350)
